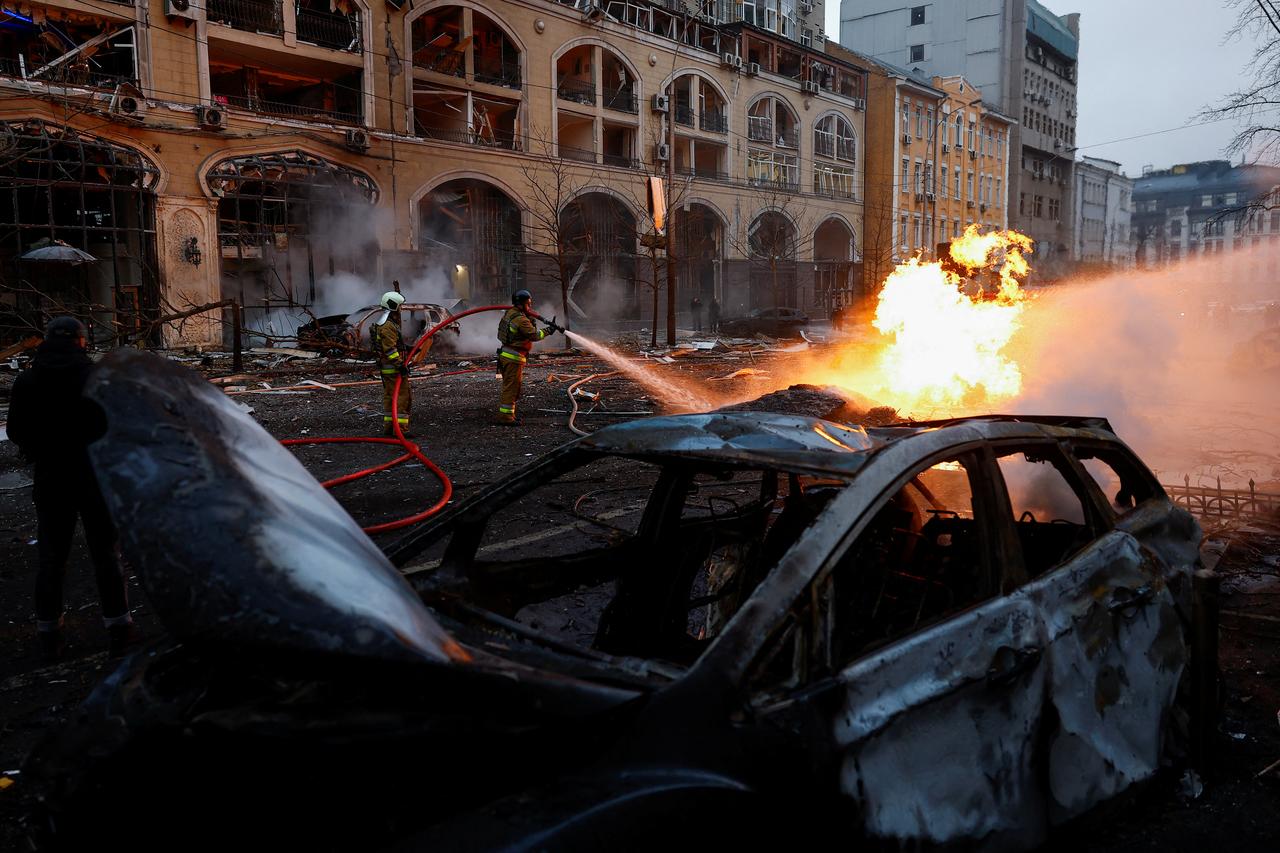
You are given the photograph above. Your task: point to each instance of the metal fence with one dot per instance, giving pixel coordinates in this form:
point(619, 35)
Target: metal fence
point(1215, 502)
point(254, 16)
point(330, 29)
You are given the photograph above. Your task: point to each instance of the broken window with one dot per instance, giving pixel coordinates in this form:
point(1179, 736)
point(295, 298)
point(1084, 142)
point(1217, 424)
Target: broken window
point(337, 96)
point(67, 48)
point(474, 228)
point(452, 40)
point(329, 23)
point(598, 232)
point(1049, 511)
point(58, 185)
point(1123, 481)
point(286, 221)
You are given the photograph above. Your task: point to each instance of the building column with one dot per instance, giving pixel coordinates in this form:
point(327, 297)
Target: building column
point(184, 284)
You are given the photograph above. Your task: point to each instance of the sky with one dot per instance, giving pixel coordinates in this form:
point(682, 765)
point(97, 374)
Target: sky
point(1147, 65)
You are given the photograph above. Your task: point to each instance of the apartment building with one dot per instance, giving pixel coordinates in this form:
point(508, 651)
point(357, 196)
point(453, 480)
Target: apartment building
point(1204, 208)
point(1023, 59)
point(937, 162)
point(1103, 206)
point(269, 151)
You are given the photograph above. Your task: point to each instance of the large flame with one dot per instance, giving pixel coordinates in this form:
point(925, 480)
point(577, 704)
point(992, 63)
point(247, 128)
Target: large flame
point(946, 344)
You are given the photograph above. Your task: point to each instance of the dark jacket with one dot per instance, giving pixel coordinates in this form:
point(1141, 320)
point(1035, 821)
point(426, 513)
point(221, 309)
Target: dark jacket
point(49, 419)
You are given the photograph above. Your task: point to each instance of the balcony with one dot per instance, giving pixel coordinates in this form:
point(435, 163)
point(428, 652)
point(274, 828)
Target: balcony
point(760, 128)
point(684, 115)
point(702, 174)
point(846, 149)
point(621, 161)
point(498, 72)
point(279, 108)
point(447, 61)
point(580, 155)
point(328, 29)
point(714, 121)
point(65, 74)
point(251, 16)
point(824, 144)
point(578, 91)
point(788, 138)
point(622, 100)
point(494, 139)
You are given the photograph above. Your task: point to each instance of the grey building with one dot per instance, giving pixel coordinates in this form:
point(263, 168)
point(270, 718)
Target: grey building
point(1023, 57)
point(1103, 198)
point(1202, 209)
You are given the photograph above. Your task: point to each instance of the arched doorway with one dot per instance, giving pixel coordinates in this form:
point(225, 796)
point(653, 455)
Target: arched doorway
point(834, 269)
point(598, 233)
point(699, 249)
point(59, 185)
point(772, 241)
point(474, 229)
point(297, 238)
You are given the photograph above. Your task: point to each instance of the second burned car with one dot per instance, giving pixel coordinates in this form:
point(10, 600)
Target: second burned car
point(971, 630)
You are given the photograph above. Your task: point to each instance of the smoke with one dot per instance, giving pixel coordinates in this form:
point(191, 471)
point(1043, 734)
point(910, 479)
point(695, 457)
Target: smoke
point(1166, 356)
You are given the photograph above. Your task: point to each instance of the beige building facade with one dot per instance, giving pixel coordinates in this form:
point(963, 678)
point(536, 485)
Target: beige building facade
point(297, 156)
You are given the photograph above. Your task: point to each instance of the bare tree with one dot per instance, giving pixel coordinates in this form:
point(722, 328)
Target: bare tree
point(554, 182)
point(780, 229)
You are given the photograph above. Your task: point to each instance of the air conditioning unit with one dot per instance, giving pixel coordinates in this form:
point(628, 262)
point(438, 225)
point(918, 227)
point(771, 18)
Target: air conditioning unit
point(809, 87)
point(906, 139)
point(805, 7)
point(930, 197)
point(730, 60)
point(973, 153)
point(860, 104)
point(185, 9)
point(982, 208)
point(128, 102)
point(753, 68)
point(211, 118)
point(969, 203)
point(919, 196)
point(661, 103)
point(661, 152)
point(358, 140)
point(592, 13)
point(946, 149)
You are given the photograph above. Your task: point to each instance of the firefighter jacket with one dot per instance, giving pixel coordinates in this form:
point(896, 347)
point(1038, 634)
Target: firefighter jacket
point(388, 346)
point(517, 333)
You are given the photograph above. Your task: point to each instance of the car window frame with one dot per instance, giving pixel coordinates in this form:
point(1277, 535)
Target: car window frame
point(1100, 498)
point(995, 528)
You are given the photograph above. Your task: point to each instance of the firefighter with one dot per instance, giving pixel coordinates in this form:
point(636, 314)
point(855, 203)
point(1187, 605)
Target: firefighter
point(517, 333)
point(53, 426)
point(393, 363)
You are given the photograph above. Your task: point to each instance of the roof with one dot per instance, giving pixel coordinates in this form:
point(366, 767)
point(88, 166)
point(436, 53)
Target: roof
point(738, 438)
point(1049, 28)
point(1213, 175)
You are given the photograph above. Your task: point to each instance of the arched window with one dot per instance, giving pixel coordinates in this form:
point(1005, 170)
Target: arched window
point(452, 43)
point(773, 131)
point(474, 229)
point(700, 112)
point(833, 137)
point(599, 236)
point(597, 100)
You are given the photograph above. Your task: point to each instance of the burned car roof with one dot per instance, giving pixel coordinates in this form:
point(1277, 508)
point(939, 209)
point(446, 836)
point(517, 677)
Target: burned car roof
point(740, 438)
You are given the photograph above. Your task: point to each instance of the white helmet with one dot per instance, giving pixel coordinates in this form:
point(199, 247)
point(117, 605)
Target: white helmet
point(391, 300)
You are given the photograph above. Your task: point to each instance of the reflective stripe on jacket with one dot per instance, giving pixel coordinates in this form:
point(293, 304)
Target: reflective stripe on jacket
point(517, 333)
point(388, 346)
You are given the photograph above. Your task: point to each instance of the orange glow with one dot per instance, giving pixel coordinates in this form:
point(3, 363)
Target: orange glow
point(942, 341)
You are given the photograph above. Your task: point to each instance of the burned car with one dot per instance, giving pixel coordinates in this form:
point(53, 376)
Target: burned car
point(774, 322)
point(723, 626)
point(348, 333)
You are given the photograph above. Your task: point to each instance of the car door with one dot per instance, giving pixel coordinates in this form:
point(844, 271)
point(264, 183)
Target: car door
point(934, 696)
point(1113, 646)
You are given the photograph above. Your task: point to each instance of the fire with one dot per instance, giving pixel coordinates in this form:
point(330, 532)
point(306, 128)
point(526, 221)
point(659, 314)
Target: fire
point(946, 345)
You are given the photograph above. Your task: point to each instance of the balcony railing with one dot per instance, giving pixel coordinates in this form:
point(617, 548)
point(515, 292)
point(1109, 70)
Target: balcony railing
point(714, 121)
point(252, 16)
point(279, 108)
point(329, 29)
point(684, 115)
point(65, 74)
point(622, 100)
point(498, 73)
point(788, 138)
point(778, 182)
point(445, 61)
point(760, 128)
point(581, 155)
point(622, 161)
point(577, 91)
point(846, 148)
point(489, 139)
point(824, 144)
point(703, 174)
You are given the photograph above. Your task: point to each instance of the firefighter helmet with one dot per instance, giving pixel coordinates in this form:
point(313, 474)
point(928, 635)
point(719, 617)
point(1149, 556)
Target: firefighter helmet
point(391, 300)
point(520, 297)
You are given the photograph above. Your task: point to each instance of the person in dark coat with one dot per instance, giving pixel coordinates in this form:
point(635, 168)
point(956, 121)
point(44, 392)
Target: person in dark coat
point(713, 314)
point(53, 425)
point(695, 308)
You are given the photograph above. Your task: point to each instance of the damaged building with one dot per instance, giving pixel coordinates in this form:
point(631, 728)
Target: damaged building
point(254, 150)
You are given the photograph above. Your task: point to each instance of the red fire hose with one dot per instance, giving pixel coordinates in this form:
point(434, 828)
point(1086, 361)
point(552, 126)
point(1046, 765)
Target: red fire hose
point(412, 451)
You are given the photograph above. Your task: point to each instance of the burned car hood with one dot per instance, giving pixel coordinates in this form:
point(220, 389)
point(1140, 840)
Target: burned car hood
point(234, 540)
